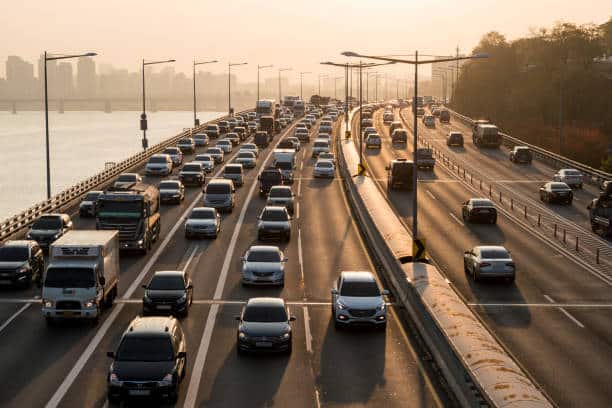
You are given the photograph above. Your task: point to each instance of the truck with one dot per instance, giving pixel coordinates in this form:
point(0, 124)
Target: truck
point(134, 212)
point(298, 108)
point(82, 275)
point(265, 107)
point(319, 100)
point(425, 158)
point(284, 160)
point(600, 212)
point(486, 135)
point(266, 124)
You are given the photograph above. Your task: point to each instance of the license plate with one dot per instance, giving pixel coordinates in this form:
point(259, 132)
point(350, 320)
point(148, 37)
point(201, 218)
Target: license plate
point(140, 393)
point(263, 344)
point(5, 282)
point(164, 307)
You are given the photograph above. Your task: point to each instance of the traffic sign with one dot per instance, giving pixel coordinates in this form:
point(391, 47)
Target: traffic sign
point(419, 253)
point(361, 169)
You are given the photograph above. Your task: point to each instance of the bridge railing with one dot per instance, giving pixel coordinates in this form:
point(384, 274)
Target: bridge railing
point(593, 176)
point(15, 224)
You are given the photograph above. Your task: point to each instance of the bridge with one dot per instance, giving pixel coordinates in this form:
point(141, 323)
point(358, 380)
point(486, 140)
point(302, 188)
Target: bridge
point(548, 330)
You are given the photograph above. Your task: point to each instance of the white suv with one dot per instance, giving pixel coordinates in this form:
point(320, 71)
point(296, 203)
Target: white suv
point(358, 300)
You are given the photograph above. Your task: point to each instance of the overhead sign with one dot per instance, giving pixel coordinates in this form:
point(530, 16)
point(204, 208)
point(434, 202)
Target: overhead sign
point(419, 253)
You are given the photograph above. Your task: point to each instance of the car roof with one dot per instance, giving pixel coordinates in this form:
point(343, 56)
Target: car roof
point(264, 248)
point(280, 188)
point(19, 243)
point(203, 209)
point(152, 326)
point(266, 301)
point(358, 276)
point(481, 201)
point(164, 155)
point(220, 181)
point(172, 148)
point(491, 247)
point(169, 273)
point(274, 208)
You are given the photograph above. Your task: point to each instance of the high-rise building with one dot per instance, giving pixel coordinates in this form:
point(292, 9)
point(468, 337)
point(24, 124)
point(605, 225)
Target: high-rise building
point(86, 77)
point(20, 81)
point(65, 80)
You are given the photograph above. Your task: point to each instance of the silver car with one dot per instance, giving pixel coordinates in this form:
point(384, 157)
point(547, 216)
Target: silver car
point(203, 221)
point(357, 300)
point(489, 262)
point(320, 145)
point(126, 179)
point(225, 145)
point(263, 265)
point(201, 139)
point(274, 222)
point(234, 172)
point(246, 158)
point(373, 141)
point(281, 196)
point(216, 153)
point(175, 154)
point(159, 165)
point(251, 147)
point(207, 162)
point(571, 177)
point(324, 168)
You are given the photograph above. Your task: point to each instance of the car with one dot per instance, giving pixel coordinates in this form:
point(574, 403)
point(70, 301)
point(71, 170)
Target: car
point(186, 144)
point(388, 117)
point(171, 191)
point(373, 141)
point(175, 154)
point(429, 121)
point(201, 139)
point(263, 265)
point(306, 123)
point(368, 130)
point(281, 196)
point(223, 127)
point(521, 154)
point(420, 111)
point(454, 138)
point(234, 172)
point(232, 123)
point(241, 131)
point(357, 300)
point(269, 177)
point(399, 136)
point(395, 125)
point(225, 145)
point(246, 158)
point(295, 142)
point(168, 292)
point(216, 153)
point(193, 173)
point(479, 209)
point(49, 227)
point(159, 165)
point(126, 179)
point(571, 177)
point(327, 156)
point(206, 160)
point(274, 222)
point(264, 325)
point(285, 144)
point(489, 261)
point(325, 127)
point(435, 112)
point(325, 136)
point(21, 263)
point(252, 126)
point(213, 130)
point(302, 134)
point(367, 122)
point(444, 116)
point(251, 147)
point(319, 146)
point(556, 192)
point(324, 168)
point(400, 174)
point(89, 204)
point(220, 194)
point(283, 122)
point(203, 221)
point(150, 361)
point(233, 137)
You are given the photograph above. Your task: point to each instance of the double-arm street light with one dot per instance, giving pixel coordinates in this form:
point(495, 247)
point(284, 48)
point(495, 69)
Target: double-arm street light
point(301, 79)
point(416, 62)
point(143, 116)
point(259, 68)
point(229, 84)
point(196, 121)
point(280, 95)
point(50, 57)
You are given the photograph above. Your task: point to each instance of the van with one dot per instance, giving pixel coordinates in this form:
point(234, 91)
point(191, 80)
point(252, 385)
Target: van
point(487, 135)
point(400, 174)
point(220, 194)
point(234, 172)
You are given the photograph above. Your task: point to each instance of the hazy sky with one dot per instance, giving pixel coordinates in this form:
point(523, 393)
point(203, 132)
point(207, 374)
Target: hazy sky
point(298, 34)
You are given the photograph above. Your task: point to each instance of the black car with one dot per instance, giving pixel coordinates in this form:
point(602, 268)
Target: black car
point(264, 326)
point(521, 154)
point(150, 361)
point(168, 292)
point(193, 174)
point(479, 209)
point(454, 139)
point(556, 192)
point(49, 227)
point(271, 176)
point(21, 263)
point(87, 207)
point(171, 191)
point(213, 131)
point(223, 127)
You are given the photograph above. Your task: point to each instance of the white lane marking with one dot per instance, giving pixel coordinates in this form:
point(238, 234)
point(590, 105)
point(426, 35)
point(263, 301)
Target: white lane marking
point(546, 305)
point(317, 399)
point(299, 189)
point(300, 259)
point(191, 255)
point(301, 165)
point(93, 344)
point(431, 194)
point(454, 217)
point(198, 367)
point(297, 210)
point(566, 313)
point(307, 330)
point(17, 313)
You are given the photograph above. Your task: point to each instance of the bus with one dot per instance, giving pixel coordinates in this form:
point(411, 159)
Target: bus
point(265, 107)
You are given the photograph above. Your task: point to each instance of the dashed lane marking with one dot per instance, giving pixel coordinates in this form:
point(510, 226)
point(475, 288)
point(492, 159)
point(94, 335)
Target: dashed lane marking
point(566, 313)
point(308, 335)
point(454, 217)
point(14, 316)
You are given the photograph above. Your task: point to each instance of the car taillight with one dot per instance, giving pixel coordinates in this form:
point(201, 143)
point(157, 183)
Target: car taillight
point(483, 264)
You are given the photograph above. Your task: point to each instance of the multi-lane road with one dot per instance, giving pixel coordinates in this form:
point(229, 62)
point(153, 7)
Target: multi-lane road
point(555, 318)
point(66, 364)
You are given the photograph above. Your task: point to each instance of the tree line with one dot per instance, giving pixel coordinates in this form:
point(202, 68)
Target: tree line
point(555, 78)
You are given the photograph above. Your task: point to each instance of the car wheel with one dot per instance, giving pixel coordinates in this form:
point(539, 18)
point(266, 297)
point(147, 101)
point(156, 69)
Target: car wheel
point(475, 275)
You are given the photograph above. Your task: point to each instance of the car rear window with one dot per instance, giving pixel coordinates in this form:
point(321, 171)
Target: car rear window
point(192, 167)
point(169, 185)
point(259, 255)
point(482, 203)
point(233, 169)
point(148, 348)
point(167, 282)
point(274, 215)
point(559, 186)
point(157, 160)
point(496, 253)
point(265, 314)
point(13, 254)
point(202, 214)
point(47, 223)
point(215, 188)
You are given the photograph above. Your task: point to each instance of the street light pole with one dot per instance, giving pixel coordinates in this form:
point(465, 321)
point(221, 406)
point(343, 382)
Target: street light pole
point(336, 87)
point(280, 95)
point(259, 68)
point(196, 121)
point(143, 116)
point(321, 76)
point(229, 85)
point(301, 79)
point(47, 57)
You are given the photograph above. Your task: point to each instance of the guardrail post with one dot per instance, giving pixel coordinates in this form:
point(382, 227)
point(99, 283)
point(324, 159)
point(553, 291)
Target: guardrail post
point(539, 220)
point(564, 235)
point(525, 211)
point(481, 184)
point(511, 203)
point(577, 249)
point(500, 197)
point(490, 190)
point(597, 256)
point(471, 178)
point(555, 230)
point(464, 173)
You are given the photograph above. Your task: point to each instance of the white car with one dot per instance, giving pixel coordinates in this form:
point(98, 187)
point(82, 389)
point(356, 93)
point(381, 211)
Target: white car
point(489, 262)
point(203, 221)
point(320, 146)
point(327, 156)
point(201, 139)
point(324, 168)
point(225, 145)
point(207, 161)
point(246, 158)
point(159, 165)
point(126, 179)
point(250, 147)
point(357, 299)
point(296, 142)
point(263, 265)
point(571, 177)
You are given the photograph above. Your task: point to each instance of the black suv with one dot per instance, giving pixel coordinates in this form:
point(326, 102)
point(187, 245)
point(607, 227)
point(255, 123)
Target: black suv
point(400, 174)
point(169, 292)
point(49, 227)
point(21, 262)
point(150, 361)
point(268, 178)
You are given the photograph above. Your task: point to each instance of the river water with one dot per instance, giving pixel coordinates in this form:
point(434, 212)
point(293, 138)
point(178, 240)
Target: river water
point(80, 144)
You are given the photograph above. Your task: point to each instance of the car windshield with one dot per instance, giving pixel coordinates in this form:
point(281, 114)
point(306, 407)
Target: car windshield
point(272, 176)
point(572, 173)
point(91, 197)
point(260, 255)
point(232, 135)
point(482, 203)
point(171, 150)
point(265, 314)
point(274, 215)
point(192, 167)
point(326, 165)
point(233, 170)
point(249, 146)
point(167, 282)
point(157, 160)
point(217, 189)
point(184, 141)
point(57, 277)
point(559, 186)
point(169, 185)
point(203, 158)
point(320, 144)
point(214, 151)
point(280, 192)
point(494, 253)
point(13, 254)
point(246, 155)
point(283, 165)
point(214, 127)
point(200, 136)
point(126, 177)
point(359, 289)
point(47, 223)
point(202, 214)
point(145, 349)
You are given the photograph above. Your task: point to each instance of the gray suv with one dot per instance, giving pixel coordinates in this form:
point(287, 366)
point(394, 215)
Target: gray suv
point(357, 300)
point(219, 194)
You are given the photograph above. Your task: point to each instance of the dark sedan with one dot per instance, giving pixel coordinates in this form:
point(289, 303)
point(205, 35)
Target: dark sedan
point(169, 292)
point(264, 326)
point(479, 210)
point(556, 192)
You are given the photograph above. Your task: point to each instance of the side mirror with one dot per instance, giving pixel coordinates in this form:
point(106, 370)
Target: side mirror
point(387, 168)
point(181, 354)
point(110, 354)
point(285, 259)
point(292, 319)
point(237, 318)
point(144, 286)
point(385, 292)
point(102, 280)
point(190, 286)
point(334, 291)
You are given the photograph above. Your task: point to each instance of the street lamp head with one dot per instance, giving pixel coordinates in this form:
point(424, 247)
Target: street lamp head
point(91, 54)
point(350, 54)
point(480, 55)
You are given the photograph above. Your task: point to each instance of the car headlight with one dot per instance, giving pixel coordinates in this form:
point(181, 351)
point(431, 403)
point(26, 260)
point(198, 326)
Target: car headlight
point(56, 236)
point(139, 242)
point(166, 381)
point(285, 336)
point(48, 303)
point(341, 305)
point(242, 336)
point(114, 380)
point(28, 236)
point(90, 304)
point(381, 307)
point(182, 299)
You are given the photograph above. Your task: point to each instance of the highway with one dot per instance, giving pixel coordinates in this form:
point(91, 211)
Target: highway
point(66, 364)
point(555, 318)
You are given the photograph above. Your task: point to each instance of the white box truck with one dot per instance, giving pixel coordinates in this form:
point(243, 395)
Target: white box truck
point(82, 275)
point(284, 160)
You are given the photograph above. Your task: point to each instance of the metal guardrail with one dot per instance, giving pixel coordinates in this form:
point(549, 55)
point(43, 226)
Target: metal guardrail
point(13, 225)
point(594, 176)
